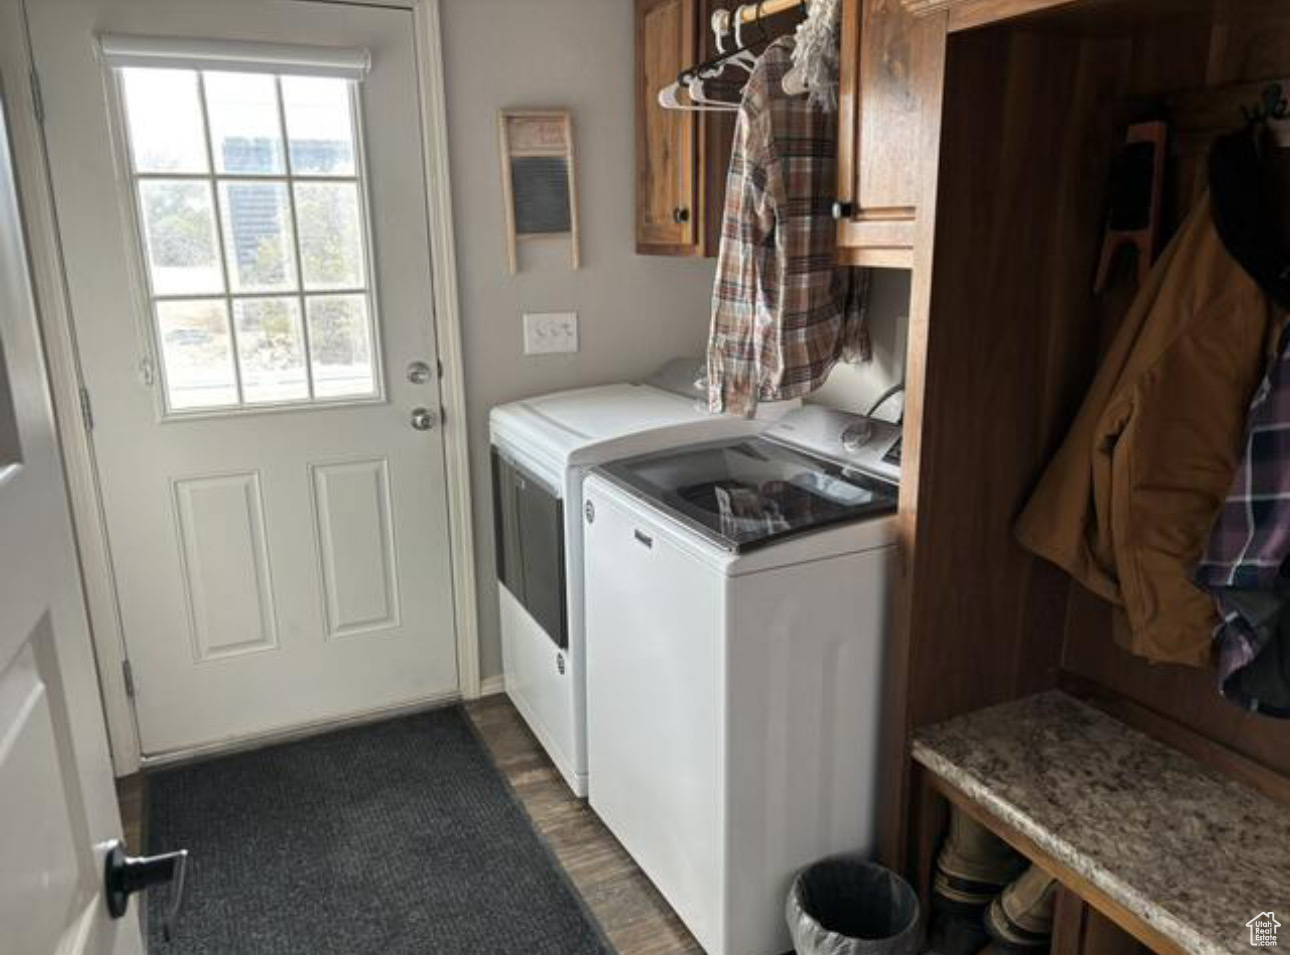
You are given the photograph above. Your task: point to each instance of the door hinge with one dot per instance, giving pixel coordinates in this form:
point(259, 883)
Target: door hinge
point(438, 363)
point(87, 410)
point(37, 100)
point(127, 672)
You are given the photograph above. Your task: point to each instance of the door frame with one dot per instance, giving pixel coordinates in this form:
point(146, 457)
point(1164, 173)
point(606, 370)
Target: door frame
point(20, 78)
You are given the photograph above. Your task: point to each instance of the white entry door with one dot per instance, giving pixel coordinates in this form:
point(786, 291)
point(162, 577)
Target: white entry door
point(241, 200)
point(58, 810)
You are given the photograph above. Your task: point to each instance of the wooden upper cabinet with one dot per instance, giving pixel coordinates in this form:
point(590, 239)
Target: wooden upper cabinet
point(666, 140)
point(681, 158)
point(891, 73)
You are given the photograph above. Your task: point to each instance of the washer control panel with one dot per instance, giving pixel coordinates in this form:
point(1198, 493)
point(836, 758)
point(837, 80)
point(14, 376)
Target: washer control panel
point(870, 444)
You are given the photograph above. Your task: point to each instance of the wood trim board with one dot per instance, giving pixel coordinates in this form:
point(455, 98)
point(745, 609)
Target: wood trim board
point(447, 318)
point(1072, 881)
point(970, 14)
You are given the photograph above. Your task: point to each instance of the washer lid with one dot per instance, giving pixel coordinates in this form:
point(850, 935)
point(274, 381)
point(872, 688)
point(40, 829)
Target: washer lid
point(748, 492)
point(614, 410)
point(564, 422)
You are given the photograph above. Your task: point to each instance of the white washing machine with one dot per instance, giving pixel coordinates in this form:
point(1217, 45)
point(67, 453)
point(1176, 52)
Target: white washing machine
point(542, 448)
point(737, 607)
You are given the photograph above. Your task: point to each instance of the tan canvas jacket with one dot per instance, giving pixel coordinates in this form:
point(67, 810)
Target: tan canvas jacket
point(1127, 504)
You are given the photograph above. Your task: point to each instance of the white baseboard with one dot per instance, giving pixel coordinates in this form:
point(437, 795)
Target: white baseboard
point(492, 685)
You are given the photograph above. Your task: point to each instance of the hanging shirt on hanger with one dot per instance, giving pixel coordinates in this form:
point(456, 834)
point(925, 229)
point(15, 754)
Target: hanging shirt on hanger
point(783, 312)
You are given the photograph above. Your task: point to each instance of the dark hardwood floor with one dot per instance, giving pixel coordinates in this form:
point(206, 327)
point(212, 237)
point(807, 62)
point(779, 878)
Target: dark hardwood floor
point(633, 914)
point(635, 917)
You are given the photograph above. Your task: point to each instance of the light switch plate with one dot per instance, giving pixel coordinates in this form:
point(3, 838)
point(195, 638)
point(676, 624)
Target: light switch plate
point(547, 333)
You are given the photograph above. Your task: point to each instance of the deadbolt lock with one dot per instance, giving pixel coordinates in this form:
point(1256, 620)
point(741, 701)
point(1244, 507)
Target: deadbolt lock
point(419, 372)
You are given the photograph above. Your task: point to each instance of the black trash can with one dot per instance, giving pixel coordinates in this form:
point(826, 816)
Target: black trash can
point(847, 905)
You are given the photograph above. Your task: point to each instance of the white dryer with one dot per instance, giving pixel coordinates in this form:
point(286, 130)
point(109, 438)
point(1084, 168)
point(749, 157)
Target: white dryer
point(542, 448)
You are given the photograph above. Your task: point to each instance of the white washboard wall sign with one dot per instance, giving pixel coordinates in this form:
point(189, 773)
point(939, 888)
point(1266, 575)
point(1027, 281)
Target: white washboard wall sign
point(538, 178)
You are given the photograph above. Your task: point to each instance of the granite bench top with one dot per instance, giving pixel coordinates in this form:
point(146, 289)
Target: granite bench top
point(1191, 852)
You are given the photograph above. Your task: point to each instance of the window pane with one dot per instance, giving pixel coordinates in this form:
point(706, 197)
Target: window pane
point(318, 125)
point(179, 232)
point(340, 345)
point(198, 354)
point(257, 236)
point(243, 115)
point(331, 237)
point(165, 120)
point(271, 349)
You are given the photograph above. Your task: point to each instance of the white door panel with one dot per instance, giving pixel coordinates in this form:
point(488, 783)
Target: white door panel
point(277, 564)
point(356, 545)
point(57, 806)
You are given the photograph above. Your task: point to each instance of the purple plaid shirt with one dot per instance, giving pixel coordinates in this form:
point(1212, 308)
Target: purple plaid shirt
point(1249, 548)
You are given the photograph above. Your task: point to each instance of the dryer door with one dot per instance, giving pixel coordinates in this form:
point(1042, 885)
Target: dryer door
point(529, 521)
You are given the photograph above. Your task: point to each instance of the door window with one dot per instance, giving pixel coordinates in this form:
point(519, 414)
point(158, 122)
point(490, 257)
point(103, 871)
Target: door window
point(252, 222)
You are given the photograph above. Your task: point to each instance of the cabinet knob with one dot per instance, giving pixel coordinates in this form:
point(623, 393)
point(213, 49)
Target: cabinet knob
point(680, 214)
point(842, 210)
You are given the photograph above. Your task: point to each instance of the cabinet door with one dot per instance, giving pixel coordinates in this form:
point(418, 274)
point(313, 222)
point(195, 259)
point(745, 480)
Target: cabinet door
point(666, 140)
point(890, 87)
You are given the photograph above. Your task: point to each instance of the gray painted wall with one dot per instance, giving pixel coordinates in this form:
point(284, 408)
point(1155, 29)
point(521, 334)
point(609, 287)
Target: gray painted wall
point(856, 387)
point(634, 312)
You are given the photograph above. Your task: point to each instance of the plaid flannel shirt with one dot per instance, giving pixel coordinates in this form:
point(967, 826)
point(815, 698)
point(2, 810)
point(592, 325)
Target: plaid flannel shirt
point(783, 313)
point(1246, 564)
point(1249, 548)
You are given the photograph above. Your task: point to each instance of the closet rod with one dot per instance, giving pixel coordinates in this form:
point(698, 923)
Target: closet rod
point(751, 12)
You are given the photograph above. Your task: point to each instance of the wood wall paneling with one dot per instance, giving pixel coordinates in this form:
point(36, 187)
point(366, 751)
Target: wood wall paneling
point(1010, 351)
point(1178, 703)
point(1250, 41)
point(1005, 338)
point(1153, 695)
point(1005, 341)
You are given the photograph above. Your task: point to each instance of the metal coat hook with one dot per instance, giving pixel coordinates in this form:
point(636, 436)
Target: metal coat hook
point(1272, 104)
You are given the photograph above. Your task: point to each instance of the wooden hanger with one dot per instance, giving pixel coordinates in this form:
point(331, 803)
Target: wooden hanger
point(1134, 219)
